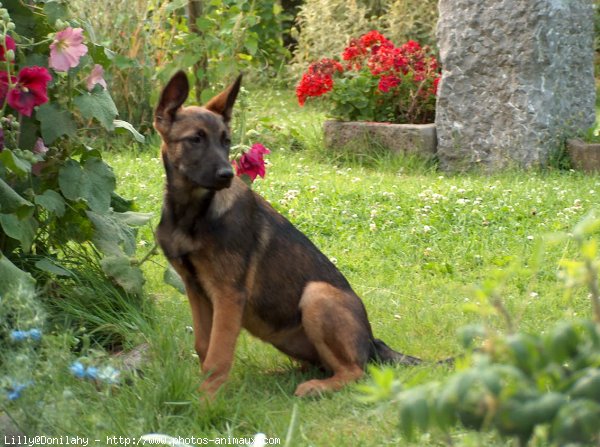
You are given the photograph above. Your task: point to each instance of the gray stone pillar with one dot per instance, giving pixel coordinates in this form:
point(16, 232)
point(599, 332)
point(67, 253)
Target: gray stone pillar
point(517, 77)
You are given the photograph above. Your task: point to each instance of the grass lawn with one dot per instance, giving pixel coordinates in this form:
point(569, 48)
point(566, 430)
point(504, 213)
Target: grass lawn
point(414, 242)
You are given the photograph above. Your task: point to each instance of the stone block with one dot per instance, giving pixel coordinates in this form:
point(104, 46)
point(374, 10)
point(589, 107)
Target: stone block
point(584, 156)
point(517, 78)
point(410, 139)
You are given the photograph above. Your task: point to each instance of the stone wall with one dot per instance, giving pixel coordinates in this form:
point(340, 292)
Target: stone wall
point(517, 76)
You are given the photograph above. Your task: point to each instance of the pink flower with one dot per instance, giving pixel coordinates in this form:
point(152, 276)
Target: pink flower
point(67, 49)
point(252, 163)
point(96, 77)
point(9, 44)
point(31, 89)
point(39, 147)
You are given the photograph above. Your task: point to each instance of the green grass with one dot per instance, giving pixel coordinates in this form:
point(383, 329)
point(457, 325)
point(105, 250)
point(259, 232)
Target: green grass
point(414, 242)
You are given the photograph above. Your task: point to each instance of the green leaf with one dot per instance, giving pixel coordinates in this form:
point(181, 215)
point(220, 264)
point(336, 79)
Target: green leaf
point(50, 266)
point(72, 181)
point(54, 122)
point(51, 201)
point(55, 10)
point(11, 202)
point(577, 422)
point(127, 126)
point(98, 105)
point(172, 278)
point(94, 182)
point(23, 230)
point(14, 163)
point(414, 410)
point(102, 184)
point(127, 276)
point(110, 234)
point(13, 277)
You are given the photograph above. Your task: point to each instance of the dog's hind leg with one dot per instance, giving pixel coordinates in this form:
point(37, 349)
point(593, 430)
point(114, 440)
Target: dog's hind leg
point(335, 322)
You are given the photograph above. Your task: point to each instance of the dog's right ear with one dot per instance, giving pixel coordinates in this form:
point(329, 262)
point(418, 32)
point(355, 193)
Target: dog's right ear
point(171, 99)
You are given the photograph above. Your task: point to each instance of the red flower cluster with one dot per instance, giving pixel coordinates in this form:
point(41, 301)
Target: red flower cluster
point(252, 162)
point(401, 73)
point(25, 91)
point(359, 49)
point(318, 80)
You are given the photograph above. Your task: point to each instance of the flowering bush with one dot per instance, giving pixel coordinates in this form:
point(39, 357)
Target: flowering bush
point(376, 81)
point(54, 189)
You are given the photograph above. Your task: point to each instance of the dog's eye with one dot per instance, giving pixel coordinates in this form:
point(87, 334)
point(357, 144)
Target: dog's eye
point(198, 138)
point(226, 141)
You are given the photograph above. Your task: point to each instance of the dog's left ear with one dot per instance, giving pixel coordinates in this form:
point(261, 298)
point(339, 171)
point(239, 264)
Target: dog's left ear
point(223, 102)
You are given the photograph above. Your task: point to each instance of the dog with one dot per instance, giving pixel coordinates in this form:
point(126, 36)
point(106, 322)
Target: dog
point(243, 264)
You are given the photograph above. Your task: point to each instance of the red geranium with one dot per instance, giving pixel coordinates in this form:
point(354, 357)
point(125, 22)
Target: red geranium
point(318, 80)
point(31, 89)
point(252, 162)
point(381, 82)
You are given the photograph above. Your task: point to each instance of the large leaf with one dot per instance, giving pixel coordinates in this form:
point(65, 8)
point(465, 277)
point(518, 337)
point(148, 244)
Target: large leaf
point(22, 230)
point(54, 122)
point(127, 276)
point(51, 201)
point(11, 202)
point(99, 105)
point(13, 277)
point(55, 10)
point(102, 183)
point(94, 182)
point(111, 234)
point(14, 163)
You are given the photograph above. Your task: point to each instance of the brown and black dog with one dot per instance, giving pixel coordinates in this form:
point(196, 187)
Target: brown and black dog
point(243, 264)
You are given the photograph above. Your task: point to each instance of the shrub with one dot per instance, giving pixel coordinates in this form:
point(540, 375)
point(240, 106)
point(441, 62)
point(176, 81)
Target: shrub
point(57, 196)
point(520, 385)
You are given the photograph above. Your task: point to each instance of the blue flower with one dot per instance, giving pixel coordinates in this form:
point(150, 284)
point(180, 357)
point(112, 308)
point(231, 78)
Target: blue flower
point(15, 392)
point(91, 372)
point(35, 334)
point(77, 369)
point(19, 335)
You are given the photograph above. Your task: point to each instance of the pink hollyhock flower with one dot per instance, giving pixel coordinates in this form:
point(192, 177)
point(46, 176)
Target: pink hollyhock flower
point(67, 49)
point(31, 89)
point(252, 163)
point(9, 44)
point(96, 77)
point(39, 147)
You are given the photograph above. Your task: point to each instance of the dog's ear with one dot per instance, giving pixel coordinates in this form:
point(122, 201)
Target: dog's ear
point(171, 99)
point(223, 102)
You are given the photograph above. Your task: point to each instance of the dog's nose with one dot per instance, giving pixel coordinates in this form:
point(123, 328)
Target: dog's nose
point(224, 173)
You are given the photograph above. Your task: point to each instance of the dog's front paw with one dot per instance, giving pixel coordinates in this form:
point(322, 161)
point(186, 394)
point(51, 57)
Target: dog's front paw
point(311, 388)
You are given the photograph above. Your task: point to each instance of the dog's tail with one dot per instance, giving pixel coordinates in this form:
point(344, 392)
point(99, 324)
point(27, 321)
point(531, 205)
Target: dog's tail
point(382, 353)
